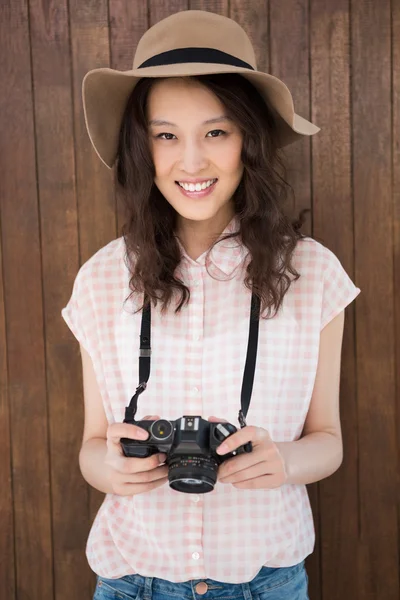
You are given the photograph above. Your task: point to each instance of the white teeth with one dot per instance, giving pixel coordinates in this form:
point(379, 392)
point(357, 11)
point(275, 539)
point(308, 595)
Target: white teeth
point(196, 187)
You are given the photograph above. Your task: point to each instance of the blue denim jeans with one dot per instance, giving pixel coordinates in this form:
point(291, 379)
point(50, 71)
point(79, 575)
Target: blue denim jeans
point(284, 583)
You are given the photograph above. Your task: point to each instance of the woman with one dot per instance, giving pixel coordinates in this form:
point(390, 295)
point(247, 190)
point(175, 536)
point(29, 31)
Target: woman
point(195, 132)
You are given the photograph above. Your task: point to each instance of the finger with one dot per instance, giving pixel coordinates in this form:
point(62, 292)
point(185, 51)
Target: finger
point(240, 462)
point(133, 489)
point(116, 431)
point(217, 420)
point(258, 470)
point(149, 463)
point(250, 433)
point(148, 476)
point(268, 482)
point(129, 465)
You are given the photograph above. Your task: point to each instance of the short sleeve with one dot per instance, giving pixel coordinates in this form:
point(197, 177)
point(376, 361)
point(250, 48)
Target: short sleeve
point(78, 313)
point(338, 289)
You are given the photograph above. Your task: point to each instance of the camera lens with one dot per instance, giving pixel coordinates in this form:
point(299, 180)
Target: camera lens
point(192, 474)
point(191, 481)
point(161, 429)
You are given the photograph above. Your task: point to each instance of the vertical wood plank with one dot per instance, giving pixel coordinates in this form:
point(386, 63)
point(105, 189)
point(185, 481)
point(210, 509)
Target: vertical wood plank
point(289, 48)
point(289, 60)
point(216, 6)
point(160, 9)
point(42, 236)
point(96, 202)
point(8, 23)
point(333, 221)
point(24, 314)
point(96, 212)
point(57, 198)
point(372, 144)
point(128, 22)
point(7, 563)
point(253, 16)
point(396, 216)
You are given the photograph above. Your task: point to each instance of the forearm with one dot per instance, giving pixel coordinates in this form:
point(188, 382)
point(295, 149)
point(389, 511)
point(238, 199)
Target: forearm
point(93, 468)
point(312, 457)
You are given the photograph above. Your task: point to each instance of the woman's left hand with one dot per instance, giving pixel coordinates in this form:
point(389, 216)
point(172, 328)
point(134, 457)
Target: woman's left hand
point(263, 468)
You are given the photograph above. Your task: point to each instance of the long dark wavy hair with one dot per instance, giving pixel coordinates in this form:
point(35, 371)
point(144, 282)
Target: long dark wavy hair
point(268, 234)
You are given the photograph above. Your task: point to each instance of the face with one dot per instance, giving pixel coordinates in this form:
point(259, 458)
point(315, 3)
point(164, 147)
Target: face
point(193, 141)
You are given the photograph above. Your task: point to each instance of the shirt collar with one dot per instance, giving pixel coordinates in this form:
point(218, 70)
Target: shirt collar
point(226, 255)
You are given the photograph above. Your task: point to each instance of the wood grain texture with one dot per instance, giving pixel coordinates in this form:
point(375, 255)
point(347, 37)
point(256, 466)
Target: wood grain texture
point(160, 9)
point(7, 562)
point(23, 301)
point(333, 223)
point(290, 61)
point(51, 65)
point(253, 16)
point(220, 7)
point(395, 43)
point(128, 22)
point(341, 61)
point(95, 211)
point(373, 207)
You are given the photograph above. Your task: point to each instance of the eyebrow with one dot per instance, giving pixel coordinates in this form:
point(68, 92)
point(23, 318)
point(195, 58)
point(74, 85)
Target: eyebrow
point(208, 122)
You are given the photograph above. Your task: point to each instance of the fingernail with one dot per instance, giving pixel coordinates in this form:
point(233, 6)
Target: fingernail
point(222, 449)
point(142, 434)
point(162, 458)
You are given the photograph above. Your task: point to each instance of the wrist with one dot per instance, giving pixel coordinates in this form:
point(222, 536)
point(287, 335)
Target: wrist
point(282, 451)
point(312, 458)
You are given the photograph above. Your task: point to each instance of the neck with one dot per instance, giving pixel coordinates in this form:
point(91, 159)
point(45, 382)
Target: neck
point(198, 236)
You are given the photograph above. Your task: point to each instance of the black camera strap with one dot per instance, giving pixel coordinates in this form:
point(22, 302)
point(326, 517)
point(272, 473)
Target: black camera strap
point(249, 369)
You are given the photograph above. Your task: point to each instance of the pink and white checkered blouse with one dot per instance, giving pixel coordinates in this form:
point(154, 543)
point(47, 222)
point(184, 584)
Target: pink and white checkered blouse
point(197, 364)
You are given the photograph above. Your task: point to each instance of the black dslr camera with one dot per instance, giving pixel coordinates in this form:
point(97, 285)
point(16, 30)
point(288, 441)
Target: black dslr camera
point(190, 444)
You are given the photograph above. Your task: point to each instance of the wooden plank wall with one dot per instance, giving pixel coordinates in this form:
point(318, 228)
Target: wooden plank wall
point(341, 59)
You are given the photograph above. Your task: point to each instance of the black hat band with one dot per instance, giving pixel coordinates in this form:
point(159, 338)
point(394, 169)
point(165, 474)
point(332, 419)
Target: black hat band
point(194, 55)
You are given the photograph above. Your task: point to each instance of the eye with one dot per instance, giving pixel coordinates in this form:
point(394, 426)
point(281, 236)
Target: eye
point(170, 136)
point(216, 131)
point(163, 138)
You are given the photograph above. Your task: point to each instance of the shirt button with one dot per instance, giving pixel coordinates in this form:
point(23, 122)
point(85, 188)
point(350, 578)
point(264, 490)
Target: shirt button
point(195, 389)
point(195, 556)
point(195, 498)
point(196, 338)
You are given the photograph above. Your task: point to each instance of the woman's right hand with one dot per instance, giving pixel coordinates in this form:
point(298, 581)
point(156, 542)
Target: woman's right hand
point(130, 476)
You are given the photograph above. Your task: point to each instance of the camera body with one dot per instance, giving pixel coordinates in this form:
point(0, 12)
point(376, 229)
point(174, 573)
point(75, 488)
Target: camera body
point(190, 444)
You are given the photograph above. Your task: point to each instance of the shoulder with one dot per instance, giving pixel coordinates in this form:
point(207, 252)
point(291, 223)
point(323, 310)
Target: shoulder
point(105, 265)
point(323, 280)
point(312, 257)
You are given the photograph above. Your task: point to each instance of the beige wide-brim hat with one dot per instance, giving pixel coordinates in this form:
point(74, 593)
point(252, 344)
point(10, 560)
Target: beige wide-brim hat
point(191, 42)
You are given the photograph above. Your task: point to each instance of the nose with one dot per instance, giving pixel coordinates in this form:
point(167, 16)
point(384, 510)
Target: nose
point(193, 159)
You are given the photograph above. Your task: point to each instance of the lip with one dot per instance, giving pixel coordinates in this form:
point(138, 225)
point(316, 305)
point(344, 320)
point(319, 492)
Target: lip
point(199, 194)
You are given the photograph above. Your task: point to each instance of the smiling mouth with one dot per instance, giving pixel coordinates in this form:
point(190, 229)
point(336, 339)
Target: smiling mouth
point(197, 187)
